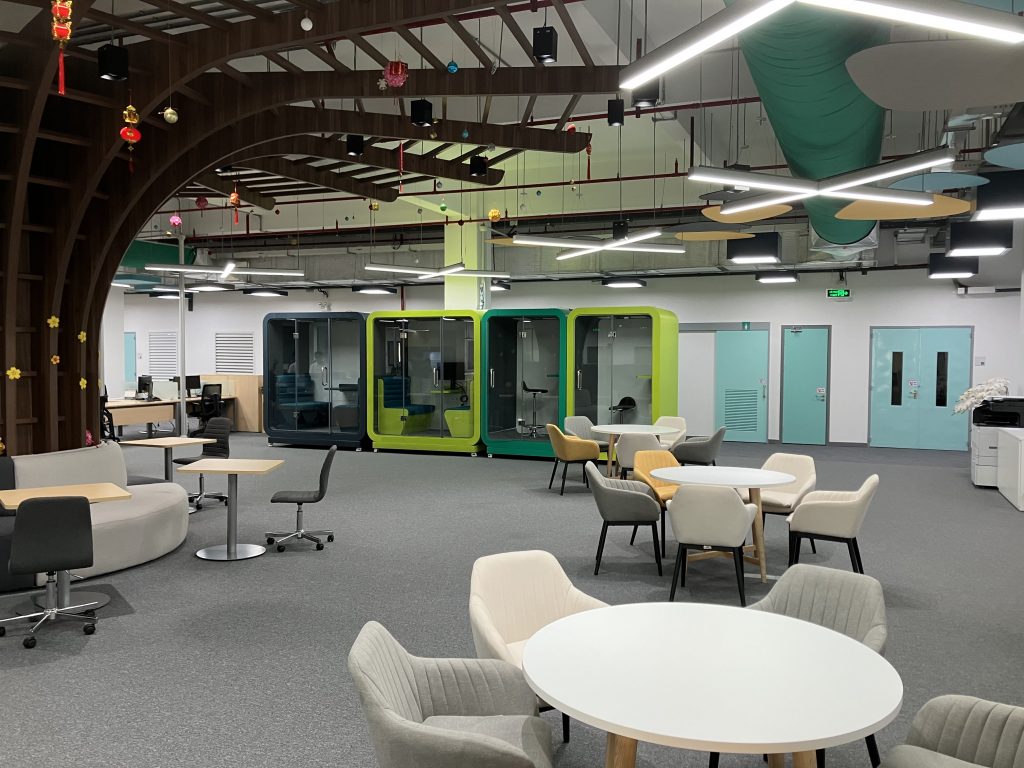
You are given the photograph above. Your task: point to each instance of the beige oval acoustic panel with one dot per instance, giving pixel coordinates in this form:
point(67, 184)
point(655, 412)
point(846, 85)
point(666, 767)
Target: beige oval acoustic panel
point(714, 212)
point(870, 210)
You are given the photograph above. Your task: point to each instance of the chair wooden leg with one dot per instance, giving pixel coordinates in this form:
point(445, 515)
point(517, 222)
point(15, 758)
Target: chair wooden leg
point(737, 556)
point(565, 728)
point(565, 468)
point(633, 537)
point(873, 751)
point(853, 555)
point(600, 547)
point(553, 471)
point(713, 760)
point(680, 557)
point(657, 549)
point(856, 551)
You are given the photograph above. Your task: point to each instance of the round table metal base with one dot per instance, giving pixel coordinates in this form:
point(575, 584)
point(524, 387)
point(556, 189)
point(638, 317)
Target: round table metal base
point(220, 552)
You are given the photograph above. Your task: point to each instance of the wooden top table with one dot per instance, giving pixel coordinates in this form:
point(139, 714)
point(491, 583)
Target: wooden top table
point(232, 550)
point(169, 444)
point(752, 478)
point(821, 689)
point(94, 492)
point(614, 430)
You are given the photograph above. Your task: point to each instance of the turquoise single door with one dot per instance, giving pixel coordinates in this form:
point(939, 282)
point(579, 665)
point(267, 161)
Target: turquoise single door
point(805, 385)
point(129, 363)
point(741, 385)
point(917, 374)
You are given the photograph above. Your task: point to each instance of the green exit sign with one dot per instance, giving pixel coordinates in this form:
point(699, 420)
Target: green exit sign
point(839, 293)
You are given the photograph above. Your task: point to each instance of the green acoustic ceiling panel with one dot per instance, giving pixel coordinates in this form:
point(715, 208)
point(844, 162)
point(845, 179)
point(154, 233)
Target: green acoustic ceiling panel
point(143, 252)
point(823, 122)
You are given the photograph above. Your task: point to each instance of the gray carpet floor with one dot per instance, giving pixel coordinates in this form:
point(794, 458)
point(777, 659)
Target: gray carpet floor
point(243, 664)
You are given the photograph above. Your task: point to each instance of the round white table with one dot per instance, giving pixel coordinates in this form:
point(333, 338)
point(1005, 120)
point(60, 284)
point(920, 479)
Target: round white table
point(711, 694)
point(614, 430)
point(751, 478)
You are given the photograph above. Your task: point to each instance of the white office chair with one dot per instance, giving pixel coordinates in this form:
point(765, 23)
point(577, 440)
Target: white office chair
point(627, 446)
point(582, 426)
point(783, 499)
point(514, 594)
point(669, 438)
point(832, 516)
point(709, 518)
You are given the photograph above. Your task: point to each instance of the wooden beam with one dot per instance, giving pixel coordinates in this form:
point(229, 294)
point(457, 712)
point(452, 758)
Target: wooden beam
point(567, 112)
point(309, 175)
point(436, 150)
point(283, 63)
point(179, 9)
point(517, 33)
point(574, 34)
point(502, 157)
point(485, 116)
point(225, 186)
point(236, 75)
point(136, 28)
point(328, 58)
point(469, 41)
point(364, 45)
point(420, 48)
point(468, 154)
point(245, 7)
point(528, 112)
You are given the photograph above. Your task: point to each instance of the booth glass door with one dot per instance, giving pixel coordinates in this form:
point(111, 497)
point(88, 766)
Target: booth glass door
point(593, 355)
point(503, 377)
point(344, 384)
point(312, 394)
point(538, 363)
point(631, 370)
point(453, 376)
point(421, 375)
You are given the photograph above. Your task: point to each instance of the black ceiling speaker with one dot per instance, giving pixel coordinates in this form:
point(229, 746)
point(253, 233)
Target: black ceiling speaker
point(647, 95)
point(545, 44)
point(620, 229)
point(354, 145)
point(421, 112)
point(477, 166)
point(113, 62)
point(616, 112)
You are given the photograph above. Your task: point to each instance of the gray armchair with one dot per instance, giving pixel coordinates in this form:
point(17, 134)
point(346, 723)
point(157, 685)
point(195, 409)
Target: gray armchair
point(445, 713)
point(958, 731)
point(624, 502)
point(581, 426)
point(698, 450)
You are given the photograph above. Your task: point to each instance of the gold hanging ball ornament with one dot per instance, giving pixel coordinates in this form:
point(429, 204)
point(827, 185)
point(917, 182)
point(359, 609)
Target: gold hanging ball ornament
point(494, 214)
point(53, 321)
point(170, 115)
point(374, 206)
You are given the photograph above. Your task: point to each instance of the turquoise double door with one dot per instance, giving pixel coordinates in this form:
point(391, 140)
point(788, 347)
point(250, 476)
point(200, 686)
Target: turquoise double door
point(917, 375)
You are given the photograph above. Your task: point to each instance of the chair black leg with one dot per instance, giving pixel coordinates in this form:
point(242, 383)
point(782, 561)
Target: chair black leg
point(622, 473)
point(553, 471)
point(814, 547)
point(853, 555)
point(873, 750)
point(633, 537)
point(794, 548)
point(662, 531)
point(586, 480)
point(657, 549)
point(565, 468)
point(737, 556)
point(681, 554)
point(565, 728)
point(600, 547)
point(713, 760)
point(856, 551)
point(676, 574)
point(819, 757)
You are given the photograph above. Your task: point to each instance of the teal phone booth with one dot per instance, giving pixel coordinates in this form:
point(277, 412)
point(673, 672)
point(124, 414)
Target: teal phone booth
point(524, 389)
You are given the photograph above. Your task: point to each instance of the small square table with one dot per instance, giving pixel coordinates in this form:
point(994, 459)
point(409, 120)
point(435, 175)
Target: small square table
point(232, 550)
point(169, 444)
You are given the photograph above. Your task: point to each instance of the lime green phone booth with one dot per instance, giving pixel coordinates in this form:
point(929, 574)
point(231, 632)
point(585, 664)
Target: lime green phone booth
point(623, 365)
point(524, 389)
point(426, 390)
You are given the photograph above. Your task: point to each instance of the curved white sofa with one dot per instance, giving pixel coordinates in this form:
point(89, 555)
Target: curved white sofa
point(124, 533)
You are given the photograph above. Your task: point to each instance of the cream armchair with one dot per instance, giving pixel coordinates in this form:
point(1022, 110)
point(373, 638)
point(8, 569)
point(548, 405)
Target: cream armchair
point(832, 516)
point(783, 499)
point(670, 438)
point(514, 594)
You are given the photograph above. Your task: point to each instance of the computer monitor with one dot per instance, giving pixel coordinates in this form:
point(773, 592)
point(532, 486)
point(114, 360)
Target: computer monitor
point(192, 383)
point(453, 371)
point(144, 388)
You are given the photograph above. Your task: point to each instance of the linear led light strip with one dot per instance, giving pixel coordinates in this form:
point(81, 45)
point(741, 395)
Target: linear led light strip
point(947, 15)
point(589, 246)
point(216, 270)
point(607, 245)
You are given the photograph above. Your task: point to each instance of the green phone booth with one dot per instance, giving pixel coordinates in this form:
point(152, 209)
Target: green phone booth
point(624, 366)
point(424, 383)
point(524, 359)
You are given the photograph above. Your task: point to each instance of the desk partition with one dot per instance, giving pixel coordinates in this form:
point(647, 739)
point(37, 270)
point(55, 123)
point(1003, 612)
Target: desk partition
point(314, 373)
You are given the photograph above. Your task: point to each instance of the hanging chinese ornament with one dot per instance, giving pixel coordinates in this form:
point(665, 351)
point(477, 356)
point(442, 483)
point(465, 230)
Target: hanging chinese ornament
point(494, 214)
point(235, 200)
point(130, 133)
point(60, 27)
point(175, 220)
point(201, 203)
point(396, 73)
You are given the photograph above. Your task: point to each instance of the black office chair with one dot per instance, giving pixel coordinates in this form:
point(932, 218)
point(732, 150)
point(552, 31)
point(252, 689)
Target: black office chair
point(625, 404)
point(210, 407)
point(219, 429)
point(50, 535)
point(107, 430)
point(533, 425)
point(299, 498)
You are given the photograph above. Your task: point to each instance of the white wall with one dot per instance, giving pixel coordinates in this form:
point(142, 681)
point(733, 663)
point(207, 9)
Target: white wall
point(112, 351)
point(879, 298)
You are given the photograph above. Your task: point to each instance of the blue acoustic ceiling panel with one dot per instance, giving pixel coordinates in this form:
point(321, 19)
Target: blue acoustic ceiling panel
point(1007, 155)
point(939, 182)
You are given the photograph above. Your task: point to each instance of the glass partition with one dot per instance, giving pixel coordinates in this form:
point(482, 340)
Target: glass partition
point(614, 368)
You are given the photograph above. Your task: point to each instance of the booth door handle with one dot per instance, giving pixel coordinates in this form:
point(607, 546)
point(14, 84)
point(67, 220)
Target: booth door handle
point(436, 379)
point(492, 378)
point(323, 375)
point(579, 379)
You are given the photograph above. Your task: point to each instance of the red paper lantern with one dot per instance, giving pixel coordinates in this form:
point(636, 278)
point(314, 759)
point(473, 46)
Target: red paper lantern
point(60, 28)
point(235, 200)
point(130, 133)
point(201, 202)
point(396, 73)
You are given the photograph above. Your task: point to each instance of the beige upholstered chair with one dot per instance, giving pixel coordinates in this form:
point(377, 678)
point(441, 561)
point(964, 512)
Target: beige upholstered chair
point(445, 713)
point(709, 517)
point(581, 426)
point(570, 450)
point(514, 594)
point(832, 516)
point(961, 732)
point(627, 446)
point(669, 438)
point(783, 499)
point(625, 502)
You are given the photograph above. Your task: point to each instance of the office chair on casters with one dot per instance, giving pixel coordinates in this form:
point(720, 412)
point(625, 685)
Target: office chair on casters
point(533, 425)
point(219, 429)
point(210, 407)
point(299, 498)
point(50, 535)
point(625, 404)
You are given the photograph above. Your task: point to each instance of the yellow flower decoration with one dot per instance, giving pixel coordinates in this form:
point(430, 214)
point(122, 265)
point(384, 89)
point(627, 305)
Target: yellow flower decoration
point(82, 336)
point(13, 373)
point(54, 359)
point(53, 321)
point(82, 383)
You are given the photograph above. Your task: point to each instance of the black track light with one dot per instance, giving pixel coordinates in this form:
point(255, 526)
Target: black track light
point(545, 44)
point(421, 112)
point(113, 62)
point(616, 112)
point(354, 145)
point(477, 166)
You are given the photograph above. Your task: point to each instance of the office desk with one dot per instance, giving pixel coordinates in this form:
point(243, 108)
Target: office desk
point(149, 412)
